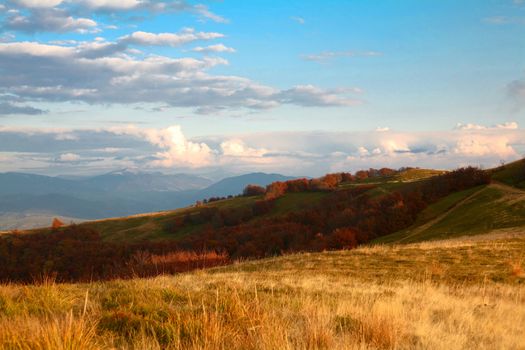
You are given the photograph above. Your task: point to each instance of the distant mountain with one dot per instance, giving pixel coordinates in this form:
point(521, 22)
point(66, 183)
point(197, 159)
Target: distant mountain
point(132, 181)
point(235, 185)
point(119, 193)
point(119, 181)
point(20, 183)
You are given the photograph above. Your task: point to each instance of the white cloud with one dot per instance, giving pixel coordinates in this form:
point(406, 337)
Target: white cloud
point(382, 129)
point(507, 125)
point(112, 4)
point(177, 150)
point(105, 72)
point(307, 153)
point(469, 126)
point(39, 3)
point(203, 11)
point(238, 148)
point(50, 20)
point(214, 48)
point(484, 145)
point(362, 151)
point(169, 39)
point(68, 157)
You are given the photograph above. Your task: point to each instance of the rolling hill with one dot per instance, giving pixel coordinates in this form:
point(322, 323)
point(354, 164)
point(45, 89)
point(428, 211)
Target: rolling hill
point(455, 294)
point(497, 206)
point(156, 226)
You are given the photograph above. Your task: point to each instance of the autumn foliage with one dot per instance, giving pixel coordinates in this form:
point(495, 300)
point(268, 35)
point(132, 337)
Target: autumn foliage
point(77, 253)
point(56, 223)
point(344, 218)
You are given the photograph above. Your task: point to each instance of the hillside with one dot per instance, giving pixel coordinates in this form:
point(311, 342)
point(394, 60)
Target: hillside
point(337, 211)
point(512, 174)
point(456, 294)
point(158, 226)
point(497, 206)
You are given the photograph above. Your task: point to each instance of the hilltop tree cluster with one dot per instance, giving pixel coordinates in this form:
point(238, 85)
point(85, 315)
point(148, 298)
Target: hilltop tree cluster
point(343, 219)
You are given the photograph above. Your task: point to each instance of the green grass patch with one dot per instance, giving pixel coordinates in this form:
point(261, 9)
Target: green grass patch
point(430, 213)
point(512, 174)
point(491, 208)
point(297, 201)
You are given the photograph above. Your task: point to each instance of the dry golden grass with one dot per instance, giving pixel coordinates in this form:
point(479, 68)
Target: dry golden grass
point(307, 301)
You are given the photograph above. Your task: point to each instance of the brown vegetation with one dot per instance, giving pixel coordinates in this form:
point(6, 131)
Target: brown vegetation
point(368, 298)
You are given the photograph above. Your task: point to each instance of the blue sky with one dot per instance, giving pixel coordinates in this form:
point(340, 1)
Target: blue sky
point(215, 72)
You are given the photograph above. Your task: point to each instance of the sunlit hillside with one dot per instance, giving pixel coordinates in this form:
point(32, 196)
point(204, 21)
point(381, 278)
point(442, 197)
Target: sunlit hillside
point(455, 294)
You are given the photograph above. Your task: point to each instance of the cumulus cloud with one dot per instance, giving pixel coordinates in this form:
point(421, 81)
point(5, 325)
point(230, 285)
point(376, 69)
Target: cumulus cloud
point(111, 4)
point(116, 72)
point(484, 145)
point(307, 153)
point(79, 16)
point(187, 35)
point(49, 20)
point(177, 150)
point(238, 148)
point(68, 157)
point(104, 72)
point(39, 3)
point(214, 48)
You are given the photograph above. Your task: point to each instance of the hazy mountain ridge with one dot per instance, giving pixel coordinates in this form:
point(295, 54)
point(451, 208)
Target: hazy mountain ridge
point(119, 193)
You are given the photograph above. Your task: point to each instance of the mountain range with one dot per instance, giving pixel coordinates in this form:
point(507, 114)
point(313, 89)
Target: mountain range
point(30, 200)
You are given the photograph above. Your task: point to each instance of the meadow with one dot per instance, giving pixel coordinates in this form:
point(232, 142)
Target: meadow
point(456, 294)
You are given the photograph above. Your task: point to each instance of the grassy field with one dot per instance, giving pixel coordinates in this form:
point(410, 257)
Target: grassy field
point(456, 294)
point(471, 212)
point(512, 174)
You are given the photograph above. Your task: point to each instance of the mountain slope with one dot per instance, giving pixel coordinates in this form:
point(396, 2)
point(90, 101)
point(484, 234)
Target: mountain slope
point(491, 207)
point(236, 184)
point(131, 181)
point(512, 174)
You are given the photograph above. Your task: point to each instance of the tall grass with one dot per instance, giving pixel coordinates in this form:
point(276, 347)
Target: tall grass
point(304, 304)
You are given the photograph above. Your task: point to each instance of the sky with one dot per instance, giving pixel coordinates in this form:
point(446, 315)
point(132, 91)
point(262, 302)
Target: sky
point(227, 87)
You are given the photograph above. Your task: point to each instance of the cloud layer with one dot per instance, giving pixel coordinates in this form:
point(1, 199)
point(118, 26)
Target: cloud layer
point(307, 153)
point(126, 70)
point(101, 72)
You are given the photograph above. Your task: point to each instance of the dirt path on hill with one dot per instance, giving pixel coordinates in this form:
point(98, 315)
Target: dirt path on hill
point(438, 218)
point(510, 195)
